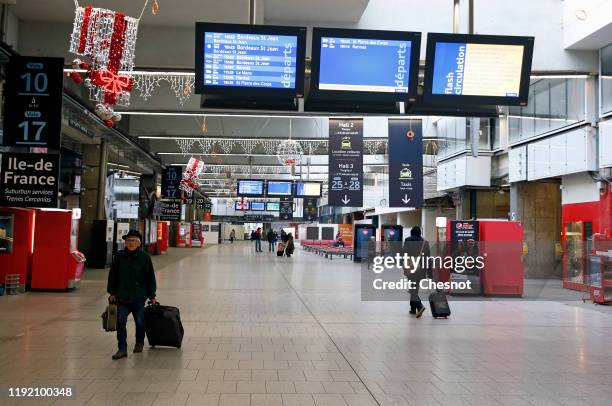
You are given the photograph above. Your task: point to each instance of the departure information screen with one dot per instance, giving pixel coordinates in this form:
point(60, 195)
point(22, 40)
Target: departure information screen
point(250, 60)
point(308, 189)
point(250, 187)
point(280, 188)
point(364, 65)
point(464, 69)
point(258, 206)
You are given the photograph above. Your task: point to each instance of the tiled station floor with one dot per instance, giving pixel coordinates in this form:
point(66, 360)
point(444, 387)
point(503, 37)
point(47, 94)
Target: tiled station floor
point(263, 330)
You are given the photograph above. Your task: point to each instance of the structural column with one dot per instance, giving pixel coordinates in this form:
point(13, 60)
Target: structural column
point(94, 190)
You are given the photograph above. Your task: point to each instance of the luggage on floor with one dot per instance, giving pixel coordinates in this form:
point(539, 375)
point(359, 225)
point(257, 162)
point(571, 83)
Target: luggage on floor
point(439, 305)
point(281, 250)
point(163, 326)
point(109, 318)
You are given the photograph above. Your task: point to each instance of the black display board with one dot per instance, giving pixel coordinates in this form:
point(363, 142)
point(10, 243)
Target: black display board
point(312, 233)
point(405, 163)
point(29, 180)
point(171, 178)
point(170, 211)
point(309, 209)
point(286, 208)
point(203, 204)
point(346, 162)
point(33, 102)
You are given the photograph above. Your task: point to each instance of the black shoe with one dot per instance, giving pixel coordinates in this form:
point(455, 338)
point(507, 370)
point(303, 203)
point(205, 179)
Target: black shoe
point(119, 355)
point(138, 347)
point(412, 311)
point(420, 312)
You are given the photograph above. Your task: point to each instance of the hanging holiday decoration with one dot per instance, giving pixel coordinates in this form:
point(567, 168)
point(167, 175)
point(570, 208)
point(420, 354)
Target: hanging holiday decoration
point(372, 146)
point(180, 83)
point(185, 144)
point(108, 39)
point(191, 175)
point(289, 152)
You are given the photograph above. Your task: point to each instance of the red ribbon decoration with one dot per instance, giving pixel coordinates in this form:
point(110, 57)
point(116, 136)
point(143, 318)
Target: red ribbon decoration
point(112, 84)
point(84, 29)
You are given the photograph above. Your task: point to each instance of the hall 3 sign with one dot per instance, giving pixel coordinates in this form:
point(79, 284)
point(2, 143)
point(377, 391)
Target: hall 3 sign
point(29, 180)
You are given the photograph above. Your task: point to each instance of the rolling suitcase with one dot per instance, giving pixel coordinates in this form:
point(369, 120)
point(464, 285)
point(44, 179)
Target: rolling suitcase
point(439, 305)
point(163, 326)
point(281, 250)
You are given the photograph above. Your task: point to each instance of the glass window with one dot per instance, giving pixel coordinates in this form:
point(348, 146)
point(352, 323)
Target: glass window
point(552, 104)
point(606, 79)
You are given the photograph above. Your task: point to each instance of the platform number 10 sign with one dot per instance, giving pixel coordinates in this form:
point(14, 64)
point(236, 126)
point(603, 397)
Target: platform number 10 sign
point(33, 114)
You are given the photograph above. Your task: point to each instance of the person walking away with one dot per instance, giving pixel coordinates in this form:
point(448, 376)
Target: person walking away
point(131, 280)
point(258, 240)
point(232, 235)
point(271, 237)
point(283, 236)
point(290, 246)
point(416, 246)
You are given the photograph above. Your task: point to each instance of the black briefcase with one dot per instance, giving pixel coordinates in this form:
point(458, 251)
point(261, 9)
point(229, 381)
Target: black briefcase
point(163, 326)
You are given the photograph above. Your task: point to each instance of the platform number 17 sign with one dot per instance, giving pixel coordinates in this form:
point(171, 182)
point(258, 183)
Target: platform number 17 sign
point(33, 114)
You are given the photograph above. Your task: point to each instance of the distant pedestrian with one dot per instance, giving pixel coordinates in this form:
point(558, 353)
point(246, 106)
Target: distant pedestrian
point(284, 237)
point(232, 235)
point(290, 246)
point(257, 238)
point(271, 240)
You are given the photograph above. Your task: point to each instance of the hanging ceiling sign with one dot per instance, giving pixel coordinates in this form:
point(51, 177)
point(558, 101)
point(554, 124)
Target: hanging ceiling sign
point(405, 163)
point(171, 179)
point(29, 180)
point(33, 104)
point(346, 162)
point(170, 211)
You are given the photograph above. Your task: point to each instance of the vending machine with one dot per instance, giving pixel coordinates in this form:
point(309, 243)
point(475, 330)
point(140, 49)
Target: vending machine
point(365, 237)
point(162, 237)
point(16, 243)
point(391, 238)
point(391, 232)
point(56, 263)
point(183, 234)
point(197, 239)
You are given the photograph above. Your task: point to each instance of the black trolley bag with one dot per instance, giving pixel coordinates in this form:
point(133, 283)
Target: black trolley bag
point(163, 326)
point(439, 305)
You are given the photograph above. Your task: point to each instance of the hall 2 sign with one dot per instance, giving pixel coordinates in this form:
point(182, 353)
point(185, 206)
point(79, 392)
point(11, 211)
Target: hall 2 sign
point(29, 180)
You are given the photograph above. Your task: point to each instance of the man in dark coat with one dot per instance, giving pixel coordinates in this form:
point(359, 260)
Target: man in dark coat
point(416, 246)
point(271, 237)
point(131, 281)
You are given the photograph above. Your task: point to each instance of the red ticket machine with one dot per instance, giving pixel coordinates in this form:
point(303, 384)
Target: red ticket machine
point(56, 264)
point(500, 244)
point(183, 234)
point(162, 237)
point(502, 250)
point(17, 243)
